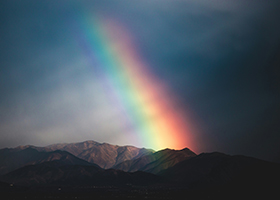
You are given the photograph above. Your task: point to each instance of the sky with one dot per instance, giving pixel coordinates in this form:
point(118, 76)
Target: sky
point(152, 73)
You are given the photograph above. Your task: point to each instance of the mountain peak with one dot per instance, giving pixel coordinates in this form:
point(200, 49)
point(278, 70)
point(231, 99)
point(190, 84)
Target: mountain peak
point(185, 150)
point(22, 147)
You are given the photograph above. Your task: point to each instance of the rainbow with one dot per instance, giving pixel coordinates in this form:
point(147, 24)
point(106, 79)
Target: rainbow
point(150, 110)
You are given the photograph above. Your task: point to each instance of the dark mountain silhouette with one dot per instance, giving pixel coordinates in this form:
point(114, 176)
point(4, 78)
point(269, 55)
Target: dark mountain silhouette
point(157, 161)
point(217, 170)
point(11, 159)
point(58, 173)
point(103, 154)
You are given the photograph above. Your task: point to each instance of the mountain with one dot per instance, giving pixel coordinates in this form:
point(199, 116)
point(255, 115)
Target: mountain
point(11, 159)
point(157, 161)
point(58, 173)
point(103, 154)
point(219, 170)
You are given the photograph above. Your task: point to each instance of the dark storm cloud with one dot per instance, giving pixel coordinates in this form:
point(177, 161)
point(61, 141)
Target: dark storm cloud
point(218, 57)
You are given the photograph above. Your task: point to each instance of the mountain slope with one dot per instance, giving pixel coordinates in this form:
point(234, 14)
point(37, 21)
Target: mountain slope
point(106, 155)
point(58, 173)
point(11, 159)
point(48, 172)
point(217, 169)
point(157, 161)
point(103, 154)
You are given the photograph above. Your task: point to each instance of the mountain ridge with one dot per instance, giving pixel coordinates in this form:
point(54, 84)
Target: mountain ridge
point(103, 154)
point(156, 161)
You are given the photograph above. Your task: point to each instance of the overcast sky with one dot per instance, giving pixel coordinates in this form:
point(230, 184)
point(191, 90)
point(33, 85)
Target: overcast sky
point(220, 59)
